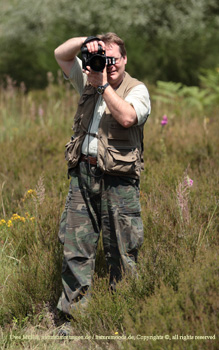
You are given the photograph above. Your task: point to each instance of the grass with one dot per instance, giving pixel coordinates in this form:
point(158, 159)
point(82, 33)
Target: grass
point(175, 294)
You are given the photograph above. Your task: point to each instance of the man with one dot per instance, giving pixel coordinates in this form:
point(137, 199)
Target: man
point(105, 157)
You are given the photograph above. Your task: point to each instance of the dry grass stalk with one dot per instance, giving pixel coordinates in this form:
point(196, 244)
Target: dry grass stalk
point(40, 191)
point(182, 192)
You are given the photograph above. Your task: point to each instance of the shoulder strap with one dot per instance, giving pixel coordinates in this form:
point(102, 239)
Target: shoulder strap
point(90, 38)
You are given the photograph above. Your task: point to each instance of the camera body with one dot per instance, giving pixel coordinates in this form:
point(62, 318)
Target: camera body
point(95, 61)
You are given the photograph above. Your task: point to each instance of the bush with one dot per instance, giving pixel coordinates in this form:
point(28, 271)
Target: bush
point(167, 41)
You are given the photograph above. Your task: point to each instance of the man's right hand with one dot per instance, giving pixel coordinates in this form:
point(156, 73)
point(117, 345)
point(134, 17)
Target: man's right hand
point(92, 46)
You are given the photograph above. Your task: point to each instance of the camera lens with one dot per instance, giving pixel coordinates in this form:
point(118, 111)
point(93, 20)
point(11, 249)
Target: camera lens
point(97, 63)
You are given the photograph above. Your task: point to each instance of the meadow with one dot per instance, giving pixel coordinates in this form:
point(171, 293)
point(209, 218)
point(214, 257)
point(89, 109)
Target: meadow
point(173, 303)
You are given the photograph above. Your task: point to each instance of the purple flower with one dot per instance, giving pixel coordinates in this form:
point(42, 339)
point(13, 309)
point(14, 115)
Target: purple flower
point(40, 111)
point(164, 121)
point(188, 181)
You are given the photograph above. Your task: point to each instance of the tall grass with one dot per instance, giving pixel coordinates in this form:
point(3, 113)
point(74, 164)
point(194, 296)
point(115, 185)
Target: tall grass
point(175, 293)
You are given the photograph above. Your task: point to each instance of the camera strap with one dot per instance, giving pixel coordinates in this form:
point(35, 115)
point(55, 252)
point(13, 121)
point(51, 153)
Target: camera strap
point(90, 38)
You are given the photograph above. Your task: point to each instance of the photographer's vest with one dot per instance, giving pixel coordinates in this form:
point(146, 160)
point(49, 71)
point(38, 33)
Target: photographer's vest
point(120, 150)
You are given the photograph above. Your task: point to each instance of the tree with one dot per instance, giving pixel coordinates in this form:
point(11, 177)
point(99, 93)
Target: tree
point(166, 40)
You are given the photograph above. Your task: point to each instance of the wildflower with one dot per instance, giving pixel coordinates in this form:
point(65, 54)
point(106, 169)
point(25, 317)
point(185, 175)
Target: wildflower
point(32, 218)
point(188, 181)
point(116, 332)
point(2, 222)
point(29, 193)
point(164, 121)
point(16, 217)
point(40, 111)
point(9, 223)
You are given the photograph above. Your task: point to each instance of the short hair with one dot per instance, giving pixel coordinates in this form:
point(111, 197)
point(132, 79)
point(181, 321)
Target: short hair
point(112, 38)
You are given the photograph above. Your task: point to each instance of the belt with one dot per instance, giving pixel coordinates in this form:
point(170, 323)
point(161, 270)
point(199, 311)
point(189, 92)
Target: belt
point(89, 159)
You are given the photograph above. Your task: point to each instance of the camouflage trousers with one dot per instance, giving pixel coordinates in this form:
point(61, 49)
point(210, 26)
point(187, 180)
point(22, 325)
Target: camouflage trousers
point(97, 202)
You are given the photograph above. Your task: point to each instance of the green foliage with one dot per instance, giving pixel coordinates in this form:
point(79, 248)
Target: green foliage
point(175, 291)
point(170, 41)
point(191, 97)
point(210, 81)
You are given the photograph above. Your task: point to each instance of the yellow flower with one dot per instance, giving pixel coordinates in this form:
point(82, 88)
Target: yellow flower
point(9, 223)
point(2, 222)
point(16, 217)
point(32, 218)
point(29, 193)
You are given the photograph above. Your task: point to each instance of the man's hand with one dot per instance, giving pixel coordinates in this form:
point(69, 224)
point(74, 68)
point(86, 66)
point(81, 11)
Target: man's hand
point(92, 46)
point(96, 78)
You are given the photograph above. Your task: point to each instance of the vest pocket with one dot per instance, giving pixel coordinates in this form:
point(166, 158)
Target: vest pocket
point(73, 151)
point(122, 160)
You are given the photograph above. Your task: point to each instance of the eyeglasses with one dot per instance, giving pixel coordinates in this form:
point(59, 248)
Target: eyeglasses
point(110, 61)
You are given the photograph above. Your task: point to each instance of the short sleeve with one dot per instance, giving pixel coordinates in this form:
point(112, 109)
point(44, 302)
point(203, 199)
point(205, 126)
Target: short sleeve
point(76, 77)
point(139, 98)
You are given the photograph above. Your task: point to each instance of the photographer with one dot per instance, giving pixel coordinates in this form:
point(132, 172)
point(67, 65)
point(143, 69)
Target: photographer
point(105, 158)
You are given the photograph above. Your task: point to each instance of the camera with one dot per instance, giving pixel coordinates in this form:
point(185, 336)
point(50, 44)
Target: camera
point(96, 61)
